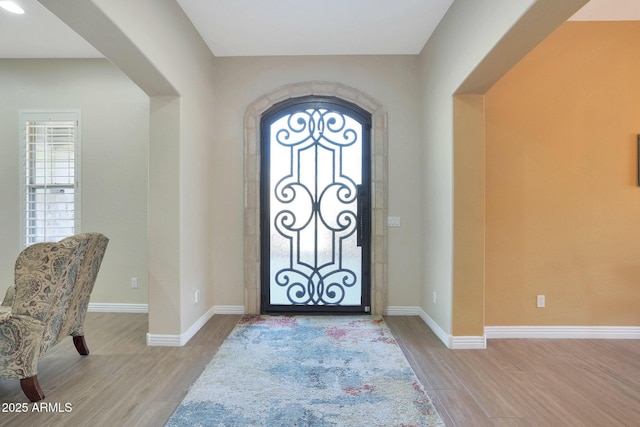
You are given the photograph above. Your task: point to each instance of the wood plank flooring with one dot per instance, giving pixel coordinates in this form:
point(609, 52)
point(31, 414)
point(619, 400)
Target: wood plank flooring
point(533, 382)
point(122, 382)
point(521, 383)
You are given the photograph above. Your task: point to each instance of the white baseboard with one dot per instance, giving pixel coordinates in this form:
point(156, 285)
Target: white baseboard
point(571, 332)
point(182, 339)
point(117, 308)
point(179, 340)
point(166, 340)
point(497, 332)
point(403, 311)
point(157, 340)
point(452, 342)
point(228, 309)
point(468, 342)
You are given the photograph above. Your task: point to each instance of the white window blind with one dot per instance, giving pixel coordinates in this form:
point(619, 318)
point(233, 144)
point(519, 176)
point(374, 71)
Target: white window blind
point(50, 176)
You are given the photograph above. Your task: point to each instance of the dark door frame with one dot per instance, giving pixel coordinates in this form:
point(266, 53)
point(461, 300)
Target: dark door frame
point(364, 202)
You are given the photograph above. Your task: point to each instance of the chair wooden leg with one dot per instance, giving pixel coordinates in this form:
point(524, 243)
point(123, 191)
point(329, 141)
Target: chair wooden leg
point(81, 345)
point(31, 388)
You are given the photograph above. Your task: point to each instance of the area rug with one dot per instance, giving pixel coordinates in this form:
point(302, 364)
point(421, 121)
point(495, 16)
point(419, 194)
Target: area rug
point(308, 371)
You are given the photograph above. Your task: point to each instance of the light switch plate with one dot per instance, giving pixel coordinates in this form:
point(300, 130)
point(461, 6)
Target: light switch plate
point(393, 221)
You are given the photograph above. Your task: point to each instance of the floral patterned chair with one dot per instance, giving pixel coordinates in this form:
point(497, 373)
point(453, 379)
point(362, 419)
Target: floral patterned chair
point(48, 302)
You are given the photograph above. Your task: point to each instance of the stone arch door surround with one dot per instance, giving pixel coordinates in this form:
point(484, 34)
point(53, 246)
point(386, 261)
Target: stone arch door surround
point(379, 276)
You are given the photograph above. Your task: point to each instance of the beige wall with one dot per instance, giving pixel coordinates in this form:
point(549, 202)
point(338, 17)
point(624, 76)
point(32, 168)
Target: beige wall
point(115, 115)
point(168, 59)
point(562, 199)
point(181, 239)
point(391, 80)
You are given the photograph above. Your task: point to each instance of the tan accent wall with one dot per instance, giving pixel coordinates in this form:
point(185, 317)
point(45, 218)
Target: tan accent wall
point(468, 215)
point(562, 202)
point(473, 47)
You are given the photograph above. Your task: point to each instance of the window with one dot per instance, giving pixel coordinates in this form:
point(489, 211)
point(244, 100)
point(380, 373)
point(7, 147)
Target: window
point(50, 173)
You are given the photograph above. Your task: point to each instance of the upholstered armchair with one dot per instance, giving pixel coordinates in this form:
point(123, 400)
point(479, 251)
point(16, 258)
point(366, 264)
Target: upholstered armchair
point(48, 302)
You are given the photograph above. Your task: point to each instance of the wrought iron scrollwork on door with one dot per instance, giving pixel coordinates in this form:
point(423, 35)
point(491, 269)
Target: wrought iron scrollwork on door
point(317, 202)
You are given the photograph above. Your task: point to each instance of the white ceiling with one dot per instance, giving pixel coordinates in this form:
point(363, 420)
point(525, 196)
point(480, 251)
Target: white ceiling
point(609, 10)
point(40, 34)
point(327, 27)
point(276, 27)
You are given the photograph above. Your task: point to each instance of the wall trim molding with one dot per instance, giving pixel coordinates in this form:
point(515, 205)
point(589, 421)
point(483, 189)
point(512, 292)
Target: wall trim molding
point(452, 342)
point(156, 340)
point(403, 311)
point(577, 332)
point(440, 333)
point(499, 332)
point(228, 309)
point(179, 340)
point(469, 342)
point(99, 307)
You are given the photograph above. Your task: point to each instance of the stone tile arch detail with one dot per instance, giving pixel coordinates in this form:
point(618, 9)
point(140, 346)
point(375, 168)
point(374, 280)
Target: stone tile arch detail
point(379, 239)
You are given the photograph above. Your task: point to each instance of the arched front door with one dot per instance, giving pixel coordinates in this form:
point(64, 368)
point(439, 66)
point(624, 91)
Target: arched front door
point(315, 202)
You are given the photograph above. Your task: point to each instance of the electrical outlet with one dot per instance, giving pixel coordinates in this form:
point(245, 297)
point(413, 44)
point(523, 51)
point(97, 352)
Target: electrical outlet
point(435, 297)
point(540, 301)
point(196, 296)
point(134, 283)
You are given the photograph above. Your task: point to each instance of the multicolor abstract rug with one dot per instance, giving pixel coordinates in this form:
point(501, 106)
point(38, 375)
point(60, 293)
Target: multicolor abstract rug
point(308, 371)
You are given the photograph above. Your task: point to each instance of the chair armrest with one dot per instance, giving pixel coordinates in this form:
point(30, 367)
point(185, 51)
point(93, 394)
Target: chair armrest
point(20, 338)
point(9, 296)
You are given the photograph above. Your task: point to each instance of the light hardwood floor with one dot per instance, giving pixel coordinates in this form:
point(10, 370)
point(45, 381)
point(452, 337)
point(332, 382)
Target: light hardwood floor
point(511, 383)
point(122, 382)
point(565, 383)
